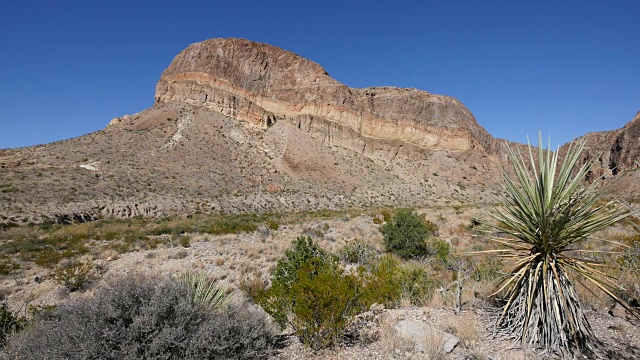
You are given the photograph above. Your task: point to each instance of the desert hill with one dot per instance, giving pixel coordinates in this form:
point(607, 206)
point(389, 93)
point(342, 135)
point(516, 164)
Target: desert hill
point(239, 126)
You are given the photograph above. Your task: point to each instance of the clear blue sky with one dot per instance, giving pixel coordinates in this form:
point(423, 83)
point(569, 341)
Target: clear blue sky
point(565, 67)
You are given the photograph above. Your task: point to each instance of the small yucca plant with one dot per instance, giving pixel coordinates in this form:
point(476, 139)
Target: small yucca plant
point(207, 292)
point(544, 213)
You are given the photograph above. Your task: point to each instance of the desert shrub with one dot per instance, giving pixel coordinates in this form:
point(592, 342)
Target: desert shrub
point(389, 281)
point(304, 250)
point(10, 323)
point(47, 251)
point(7, 265)
point(312, 294)
point(145, 318)
point(416, 284)
point(273, 225)
point(440, 249)
point(74, 276)
point(486, 269)
point(406, 234)
point(630, 258)
point(386, 215)
point(185, 241)
point(383, 284)
point(356, 252)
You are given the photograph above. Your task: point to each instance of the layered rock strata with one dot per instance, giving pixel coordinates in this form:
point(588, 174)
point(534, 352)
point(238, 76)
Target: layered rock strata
point(262, 84)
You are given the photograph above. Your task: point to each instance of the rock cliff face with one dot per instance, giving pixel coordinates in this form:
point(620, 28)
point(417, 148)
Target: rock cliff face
point(617, 150)
point(263, 84)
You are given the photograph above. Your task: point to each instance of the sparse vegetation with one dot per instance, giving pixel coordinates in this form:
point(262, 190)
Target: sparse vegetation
point(74, 276)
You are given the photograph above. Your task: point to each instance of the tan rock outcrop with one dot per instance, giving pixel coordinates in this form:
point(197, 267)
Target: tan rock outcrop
point(615, 151)
point(262, 84)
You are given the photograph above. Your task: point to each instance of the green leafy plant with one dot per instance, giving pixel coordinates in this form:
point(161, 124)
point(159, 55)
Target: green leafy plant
point(10, 323)
point(406, 234)
point(74, 276)
point(312, 294)
point(207, 292)
point(545, 212)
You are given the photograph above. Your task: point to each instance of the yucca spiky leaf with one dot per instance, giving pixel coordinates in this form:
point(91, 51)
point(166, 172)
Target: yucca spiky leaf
point(546, 212)
point(207, 292)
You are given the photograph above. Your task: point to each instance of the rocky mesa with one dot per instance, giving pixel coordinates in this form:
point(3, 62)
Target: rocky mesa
point(263, 84)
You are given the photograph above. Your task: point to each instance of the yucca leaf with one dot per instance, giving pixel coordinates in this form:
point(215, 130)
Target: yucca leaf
point(546, 211)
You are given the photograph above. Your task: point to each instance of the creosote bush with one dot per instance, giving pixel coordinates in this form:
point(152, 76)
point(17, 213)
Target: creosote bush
point(145, 318)
point(74, 276)
point(312, 294)
point(410, 236)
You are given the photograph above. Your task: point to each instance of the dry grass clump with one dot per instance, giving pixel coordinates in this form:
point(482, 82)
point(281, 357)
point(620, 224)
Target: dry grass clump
point(429, 346)
point(433, 345)
point(465, 327)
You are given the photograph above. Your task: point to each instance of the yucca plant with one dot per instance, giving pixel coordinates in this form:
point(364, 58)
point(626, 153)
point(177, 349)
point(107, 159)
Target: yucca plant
point(207, 292)
point(543, 215)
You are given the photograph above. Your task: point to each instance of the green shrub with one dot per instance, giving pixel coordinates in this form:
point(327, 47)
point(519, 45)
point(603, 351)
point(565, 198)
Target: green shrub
point(312, 294)
point(386, 215)
point(356, 252)
point(304, 250)
point(389, 281)
point(416, 284)
point(383, 286)
point(185, 241)
point(406, 234)
point(145, 318)
point(74, 276)
point(10, 323)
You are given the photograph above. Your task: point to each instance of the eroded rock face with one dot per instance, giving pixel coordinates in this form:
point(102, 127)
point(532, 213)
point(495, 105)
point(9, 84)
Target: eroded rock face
point(615, 151)
point(262, 84)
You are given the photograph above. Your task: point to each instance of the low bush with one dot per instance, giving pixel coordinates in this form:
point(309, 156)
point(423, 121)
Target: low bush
point(7, 265)
point(10, 323)
point(392, 281)
point(74, 276)
point(185, 241)
point(356, 252)
point(313, 295)
point(145, 318)
point(406, 235)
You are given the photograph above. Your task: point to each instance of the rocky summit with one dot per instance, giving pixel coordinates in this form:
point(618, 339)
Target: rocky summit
point(262, 84)
point(239, 126)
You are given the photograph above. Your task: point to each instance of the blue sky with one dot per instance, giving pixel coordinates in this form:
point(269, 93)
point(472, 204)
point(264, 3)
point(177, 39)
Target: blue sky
point(564, 67)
